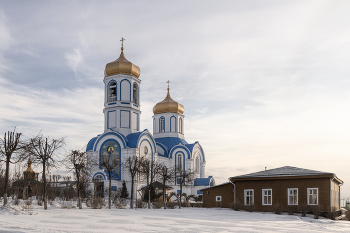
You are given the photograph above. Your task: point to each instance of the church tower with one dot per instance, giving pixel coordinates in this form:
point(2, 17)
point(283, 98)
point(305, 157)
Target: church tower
point(168, 118)
point(122, 96)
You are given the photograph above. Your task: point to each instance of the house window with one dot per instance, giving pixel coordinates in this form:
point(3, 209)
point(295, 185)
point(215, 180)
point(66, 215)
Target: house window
point(179, 162)
point(112, 92)
point(218, 198)
point(312, 196)
point(293, 196)
point(248, 196)
point(267, 196)
point(162, 124)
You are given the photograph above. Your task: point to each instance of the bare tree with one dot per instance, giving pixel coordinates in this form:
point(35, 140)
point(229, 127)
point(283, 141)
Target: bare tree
point(146, 172)
point(183, 178)
point(10, 145)
point(132, 166)
point(110, 162)
point(44, 150)
point(165, 175)
point(76, 161)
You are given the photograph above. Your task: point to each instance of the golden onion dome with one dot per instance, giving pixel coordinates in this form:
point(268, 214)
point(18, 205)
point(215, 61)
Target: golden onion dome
point(29, 169)
point(122, 66)
point(168, 105)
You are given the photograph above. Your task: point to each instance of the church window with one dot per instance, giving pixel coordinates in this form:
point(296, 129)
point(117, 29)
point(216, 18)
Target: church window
point(197, 165)
point(112, 92)
point(136, 94)
point(248, 196)
point(267, 196)
point(312, 196)
point(180, 125)
point(179, 162)
point(293, 196)
point(162, 125)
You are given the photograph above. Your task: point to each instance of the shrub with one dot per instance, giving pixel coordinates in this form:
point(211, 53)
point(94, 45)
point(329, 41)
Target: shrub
point(303, 209)
point(277, 208)
point(67, 205)
point(250, 207)
point(236, 206)
point(15, 201)
point(291, 209)
point(185, 204)
point(96, 203)
point(141, 204)
point(157, 205)
point(120, 203)
point(40, 202)
point(28, 204)
point(171, 205)
point(347, 215)
point(317, 210)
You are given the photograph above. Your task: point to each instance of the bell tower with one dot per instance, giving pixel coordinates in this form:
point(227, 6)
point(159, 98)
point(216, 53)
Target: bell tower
point(122, 96)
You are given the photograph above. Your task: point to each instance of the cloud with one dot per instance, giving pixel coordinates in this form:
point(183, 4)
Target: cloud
point(263, 84)
point(74, 59)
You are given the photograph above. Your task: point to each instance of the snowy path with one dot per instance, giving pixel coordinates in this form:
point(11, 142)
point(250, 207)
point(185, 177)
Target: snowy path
point(158, 220)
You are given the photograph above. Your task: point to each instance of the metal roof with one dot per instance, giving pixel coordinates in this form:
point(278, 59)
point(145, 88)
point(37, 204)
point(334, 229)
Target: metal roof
point(282, 172)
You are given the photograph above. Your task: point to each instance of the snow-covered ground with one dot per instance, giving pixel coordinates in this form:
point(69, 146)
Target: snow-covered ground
point(56, 219)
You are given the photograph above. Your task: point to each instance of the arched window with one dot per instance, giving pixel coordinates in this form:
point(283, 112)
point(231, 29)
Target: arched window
point(197, 165)
point(112, 91)
point(179, 162)
point(162, 125)
point(180, 125)
point(136, 94)
point(98, 178)
point(110, 156)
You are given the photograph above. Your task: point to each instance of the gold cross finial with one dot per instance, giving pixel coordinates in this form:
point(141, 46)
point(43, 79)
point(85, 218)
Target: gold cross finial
point(168, 84)
point(122, 40)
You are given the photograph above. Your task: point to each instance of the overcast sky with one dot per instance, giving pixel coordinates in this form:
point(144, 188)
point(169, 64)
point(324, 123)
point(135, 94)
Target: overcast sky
point(263, 83)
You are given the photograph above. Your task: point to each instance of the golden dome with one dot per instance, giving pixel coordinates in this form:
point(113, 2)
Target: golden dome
point(168, 105)
point(29, 169)
point(122, 66)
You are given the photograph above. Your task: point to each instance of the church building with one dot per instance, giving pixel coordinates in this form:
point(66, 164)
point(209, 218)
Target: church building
point(167, 144)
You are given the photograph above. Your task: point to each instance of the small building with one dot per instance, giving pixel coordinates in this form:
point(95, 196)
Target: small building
point(221, 195)
point(289, 187)
point(158, 188)
point(28, 186)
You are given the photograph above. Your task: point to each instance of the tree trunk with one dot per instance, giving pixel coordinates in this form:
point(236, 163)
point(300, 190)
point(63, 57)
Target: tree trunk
point(44, 193)
point(180, 194)
point(79, 198)
point(164, 193)
point(6, 179)
point(109, 193)
point(132, 194)
point(149, 193)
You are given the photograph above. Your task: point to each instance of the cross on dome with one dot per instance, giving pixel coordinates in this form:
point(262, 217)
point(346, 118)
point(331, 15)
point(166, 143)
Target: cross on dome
point(122, 40)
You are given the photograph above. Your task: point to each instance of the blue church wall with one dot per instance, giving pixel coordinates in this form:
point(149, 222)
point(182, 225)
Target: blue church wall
point(90, 145)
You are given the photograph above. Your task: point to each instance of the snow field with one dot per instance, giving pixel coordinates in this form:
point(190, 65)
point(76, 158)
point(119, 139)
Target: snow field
point(56, 219)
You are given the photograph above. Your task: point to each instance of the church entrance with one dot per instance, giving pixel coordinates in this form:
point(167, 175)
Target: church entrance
point(99, 189)
point(99, 186)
